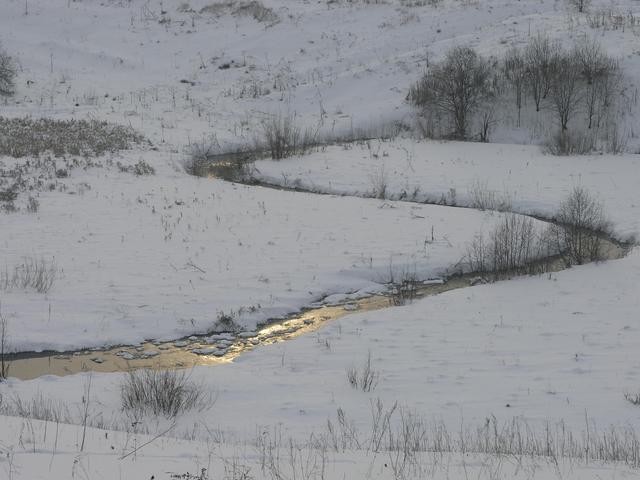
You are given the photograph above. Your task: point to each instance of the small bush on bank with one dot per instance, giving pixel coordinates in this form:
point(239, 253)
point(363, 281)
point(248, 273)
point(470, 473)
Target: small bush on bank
point(282, 137)
point(405, 286)
point(251, 8)
point(581, 220)
point(165, 393)
point(513, 246)
point(30, 274)
point(483, 198)
point(278, 137)
point(140, 168)
point(209, 158)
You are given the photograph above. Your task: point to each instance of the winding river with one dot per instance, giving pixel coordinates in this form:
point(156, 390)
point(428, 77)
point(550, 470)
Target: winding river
point(219, 348)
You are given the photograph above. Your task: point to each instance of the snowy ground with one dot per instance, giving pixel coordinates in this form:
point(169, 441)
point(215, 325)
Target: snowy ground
point(164, 255)
point(458, 173)
point(334, 65)
point(53, 451)
point(457, 358)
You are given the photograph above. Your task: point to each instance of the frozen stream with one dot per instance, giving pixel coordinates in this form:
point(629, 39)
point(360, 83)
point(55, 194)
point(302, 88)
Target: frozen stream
point(223, 347)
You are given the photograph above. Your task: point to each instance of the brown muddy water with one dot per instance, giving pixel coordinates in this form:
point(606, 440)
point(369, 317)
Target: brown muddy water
point(220, 348)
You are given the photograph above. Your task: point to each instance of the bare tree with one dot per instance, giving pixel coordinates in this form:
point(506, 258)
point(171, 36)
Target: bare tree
point(580, 5)
point(581, 218)
point(456, 86)
point(584, 79)
point(7, 73)
point(539, 60)
point(4, 367)
point(600, 93)
point(591, 58)
point(609, 87)
point(602, 75)
point(566, 91)
point(515, 71)
point(487, 121)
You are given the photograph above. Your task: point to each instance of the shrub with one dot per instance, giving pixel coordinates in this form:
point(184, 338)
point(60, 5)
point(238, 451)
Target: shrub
point(570, 143)
point(252, 8)
point(632, 398)
point(32, 273)
point(581, 220)
point(513, 246)
point(33, 205)
point(366, 378)
point(7, 73)
point(217, 8)
point(379, 182)
point(405, 288)
point(403, 433)
point(140, 168)
point(258, 12)
point(279, 137)
point(143, 168)
point(616, 139)
point(482, 197)
point(8, 195)
point(231, 163)
point(39, 407)
point(282, 138)
point(165, 393)
point(226, 322)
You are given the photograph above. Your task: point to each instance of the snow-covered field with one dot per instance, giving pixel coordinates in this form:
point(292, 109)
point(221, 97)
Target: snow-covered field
point(548, 347)
point(180, 72)
point(52, 451)
point(468, 173)
point(165, 255)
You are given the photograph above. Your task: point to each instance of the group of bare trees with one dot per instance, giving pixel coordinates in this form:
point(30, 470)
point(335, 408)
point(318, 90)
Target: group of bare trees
point(462, 90)
point(576, 234)
point(456, 86)
point(583, 79)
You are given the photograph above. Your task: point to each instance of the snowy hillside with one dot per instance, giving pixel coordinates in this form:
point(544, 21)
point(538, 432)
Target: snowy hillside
point(106, 239)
